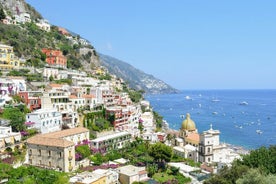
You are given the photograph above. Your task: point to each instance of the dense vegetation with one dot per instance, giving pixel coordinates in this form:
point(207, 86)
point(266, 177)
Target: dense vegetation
point(258, 167)
point(30, 174)
point(28, 40)
point(26, 73)
point(141, 153)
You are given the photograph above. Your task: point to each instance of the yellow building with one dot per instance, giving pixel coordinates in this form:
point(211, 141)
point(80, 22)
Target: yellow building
point(7, 59)
point(189, 132)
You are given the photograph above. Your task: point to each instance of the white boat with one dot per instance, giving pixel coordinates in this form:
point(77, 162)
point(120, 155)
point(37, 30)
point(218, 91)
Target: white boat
point(259, 132)
point(188, 98)
point(215, 100)
point(215, 113)
point(243, 103)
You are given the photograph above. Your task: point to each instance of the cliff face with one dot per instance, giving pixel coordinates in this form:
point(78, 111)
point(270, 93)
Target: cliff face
point(136, 79)
point(16, 7)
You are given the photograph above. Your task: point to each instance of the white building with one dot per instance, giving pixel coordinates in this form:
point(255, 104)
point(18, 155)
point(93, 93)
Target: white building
point(129, 174)
point(8, 138)
point(58, 98)
point(187, 151)
point(48, 72)
point(212, 151)
point(116, 140)
point(44, 25)
point(44, 120)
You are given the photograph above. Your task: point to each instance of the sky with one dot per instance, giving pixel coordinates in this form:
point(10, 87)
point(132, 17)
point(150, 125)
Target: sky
point(189, 44)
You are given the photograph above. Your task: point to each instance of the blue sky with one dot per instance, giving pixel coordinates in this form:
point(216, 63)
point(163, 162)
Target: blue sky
point(194, 44)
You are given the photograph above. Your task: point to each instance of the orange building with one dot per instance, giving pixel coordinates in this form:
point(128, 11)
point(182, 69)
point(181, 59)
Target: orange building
point(55, 58)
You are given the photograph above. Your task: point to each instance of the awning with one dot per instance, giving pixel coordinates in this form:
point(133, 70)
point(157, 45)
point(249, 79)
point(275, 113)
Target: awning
point(8, 140)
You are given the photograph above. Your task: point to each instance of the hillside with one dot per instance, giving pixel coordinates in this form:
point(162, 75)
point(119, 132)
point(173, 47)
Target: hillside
point(28, 40)
point(136, 79)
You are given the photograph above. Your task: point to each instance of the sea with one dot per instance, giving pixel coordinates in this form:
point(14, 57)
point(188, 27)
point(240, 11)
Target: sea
point(245, 118)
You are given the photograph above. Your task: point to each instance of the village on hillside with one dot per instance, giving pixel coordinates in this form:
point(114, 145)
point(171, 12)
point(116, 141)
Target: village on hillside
point(92, 125)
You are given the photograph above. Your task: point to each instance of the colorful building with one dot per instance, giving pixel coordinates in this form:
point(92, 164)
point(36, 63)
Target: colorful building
point(32, 102)
point(55, 58)
point(56, 150)
point(8, 60)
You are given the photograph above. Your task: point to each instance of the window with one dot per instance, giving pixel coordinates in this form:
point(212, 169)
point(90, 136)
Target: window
point(30, 152)
point(208, 150)
point(49, 153)
point(30, 161)
point(60, 154)
point(39, 152)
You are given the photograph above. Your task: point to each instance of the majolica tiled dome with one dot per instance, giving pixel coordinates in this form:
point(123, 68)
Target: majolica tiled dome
point(188, 123)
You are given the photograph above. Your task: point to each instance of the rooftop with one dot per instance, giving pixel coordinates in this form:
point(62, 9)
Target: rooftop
point(111, 136)
point(47, 141)
point(67, 132)
point(131, 170)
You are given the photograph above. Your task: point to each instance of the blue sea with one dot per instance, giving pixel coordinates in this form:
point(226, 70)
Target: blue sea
point(245, 118)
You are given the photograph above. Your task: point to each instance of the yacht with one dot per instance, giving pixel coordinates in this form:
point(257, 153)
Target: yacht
point(259, 132)
point(188, 98)
point(215, 100)
point(243, 103)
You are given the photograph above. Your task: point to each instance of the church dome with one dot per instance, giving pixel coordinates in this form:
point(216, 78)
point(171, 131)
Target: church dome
point(188, 123)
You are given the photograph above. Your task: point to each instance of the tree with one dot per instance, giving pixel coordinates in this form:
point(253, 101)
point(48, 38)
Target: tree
point(51, 78)
point(4, 170)
point(264, 158)
point(83, 150)
point(2, 14)
point(160, 151)
point(17, 118)
point(253, 176)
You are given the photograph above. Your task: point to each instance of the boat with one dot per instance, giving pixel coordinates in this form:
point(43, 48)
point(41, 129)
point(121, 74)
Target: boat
point(215, 113)
point(243, 103)
point(259, 132)
point(188, 98)
point(215, 100)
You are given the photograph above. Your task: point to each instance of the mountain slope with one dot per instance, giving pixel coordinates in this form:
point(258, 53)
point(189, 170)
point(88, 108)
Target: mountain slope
point(28, 40)
point(136, 79)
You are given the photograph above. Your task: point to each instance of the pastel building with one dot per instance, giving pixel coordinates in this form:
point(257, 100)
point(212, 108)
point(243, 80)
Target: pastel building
point(31, 99)
point(44, 120)
point(186, 145)
point(55, 150)
point(8, 60)
point(121, 115)
point(55, 58)
point(51, 153)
